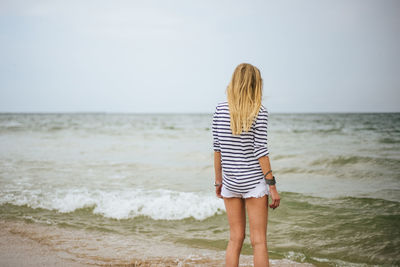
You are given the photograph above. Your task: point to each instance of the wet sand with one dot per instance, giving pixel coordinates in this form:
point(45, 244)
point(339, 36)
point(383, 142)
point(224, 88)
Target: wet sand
point(17, 250)
point(31, 244)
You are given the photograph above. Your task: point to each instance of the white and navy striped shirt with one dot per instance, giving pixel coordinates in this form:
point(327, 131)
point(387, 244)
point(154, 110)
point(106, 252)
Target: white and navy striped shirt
point(239, 153)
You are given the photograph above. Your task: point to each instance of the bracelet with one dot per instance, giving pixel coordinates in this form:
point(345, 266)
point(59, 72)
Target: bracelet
point(270, 181)
point(215, 184)
point(265, 175)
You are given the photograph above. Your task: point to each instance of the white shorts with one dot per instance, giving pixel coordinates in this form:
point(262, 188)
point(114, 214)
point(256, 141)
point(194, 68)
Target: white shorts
point(260, 190)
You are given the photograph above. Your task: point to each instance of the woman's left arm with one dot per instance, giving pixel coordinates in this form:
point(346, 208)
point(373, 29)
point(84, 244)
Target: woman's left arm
point(266, 168)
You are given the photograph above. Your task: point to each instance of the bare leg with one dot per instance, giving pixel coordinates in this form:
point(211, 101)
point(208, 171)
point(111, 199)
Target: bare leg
point(257, 210)
point(236, 213)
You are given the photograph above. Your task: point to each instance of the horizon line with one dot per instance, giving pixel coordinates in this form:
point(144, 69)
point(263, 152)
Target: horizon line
point(186, 113)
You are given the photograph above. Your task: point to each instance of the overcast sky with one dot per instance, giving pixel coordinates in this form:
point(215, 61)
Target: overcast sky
point(178, 56)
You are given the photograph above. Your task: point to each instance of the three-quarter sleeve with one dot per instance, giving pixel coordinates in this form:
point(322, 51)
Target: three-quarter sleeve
point(260, 134)
point(216, 145)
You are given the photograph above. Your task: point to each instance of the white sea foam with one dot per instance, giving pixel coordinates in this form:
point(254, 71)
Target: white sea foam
point(10, 124)
point(157, 204)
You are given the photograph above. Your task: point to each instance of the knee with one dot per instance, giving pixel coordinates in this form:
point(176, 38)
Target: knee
point(258, 241)
point(237, 238)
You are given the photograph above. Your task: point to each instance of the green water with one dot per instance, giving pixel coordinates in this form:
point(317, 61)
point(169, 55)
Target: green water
point(306, 229)
point(150, 176)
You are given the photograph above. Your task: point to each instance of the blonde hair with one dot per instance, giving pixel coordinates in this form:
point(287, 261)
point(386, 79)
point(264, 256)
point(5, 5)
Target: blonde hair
point(244, 94)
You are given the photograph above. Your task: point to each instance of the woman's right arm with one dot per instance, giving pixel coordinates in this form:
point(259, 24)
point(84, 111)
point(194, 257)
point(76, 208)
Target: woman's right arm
point(218, 173)
point(266, 166)
point(217, 156)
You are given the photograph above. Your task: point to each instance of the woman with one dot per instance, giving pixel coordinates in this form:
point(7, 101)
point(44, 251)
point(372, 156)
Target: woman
point(243, 175)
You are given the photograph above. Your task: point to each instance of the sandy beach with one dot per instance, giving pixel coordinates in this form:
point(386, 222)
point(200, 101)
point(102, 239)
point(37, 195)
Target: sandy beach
point(27, 244)
point(19, 250)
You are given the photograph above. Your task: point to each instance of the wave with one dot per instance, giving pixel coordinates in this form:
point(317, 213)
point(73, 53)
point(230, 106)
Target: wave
point(283, 156)
point(388, 140)
point(157, 204)
point(344, 160)
point(11, 124)
point(294, 170)
point(323, 131)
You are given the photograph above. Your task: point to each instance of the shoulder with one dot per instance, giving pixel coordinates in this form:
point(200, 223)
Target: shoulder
point(262, 116)
point(263, 111)
point(222, 106)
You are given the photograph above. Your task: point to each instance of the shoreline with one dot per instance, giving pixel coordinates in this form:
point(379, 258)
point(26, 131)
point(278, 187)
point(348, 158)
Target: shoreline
point(17, 250)
point(31, 244)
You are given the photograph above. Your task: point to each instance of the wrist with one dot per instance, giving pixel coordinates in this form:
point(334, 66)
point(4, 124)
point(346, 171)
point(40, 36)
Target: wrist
point(217, 183)
point(270, 181)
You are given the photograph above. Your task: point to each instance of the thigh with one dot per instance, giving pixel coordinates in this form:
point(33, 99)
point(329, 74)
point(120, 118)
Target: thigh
point(228, 194)
point(257, 210)
point(235, 210)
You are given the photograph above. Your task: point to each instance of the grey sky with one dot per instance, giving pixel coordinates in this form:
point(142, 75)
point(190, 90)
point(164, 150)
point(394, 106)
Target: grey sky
point(178, 56)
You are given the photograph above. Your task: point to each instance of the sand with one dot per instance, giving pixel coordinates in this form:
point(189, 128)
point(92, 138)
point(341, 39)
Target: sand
point(16, 250)
point(31, 244)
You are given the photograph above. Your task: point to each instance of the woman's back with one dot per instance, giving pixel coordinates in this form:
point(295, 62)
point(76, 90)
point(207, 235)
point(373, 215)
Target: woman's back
point(243, 175)
point(240, 153)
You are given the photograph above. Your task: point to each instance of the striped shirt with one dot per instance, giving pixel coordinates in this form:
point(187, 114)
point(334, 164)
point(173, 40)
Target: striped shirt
point(241, 170)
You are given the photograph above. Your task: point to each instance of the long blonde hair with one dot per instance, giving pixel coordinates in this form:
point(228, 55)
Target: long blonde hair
point(244, 94)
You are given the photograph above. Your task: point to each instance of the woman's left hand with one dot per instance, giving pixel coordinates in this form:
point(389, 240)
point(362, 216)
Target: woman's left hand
point(274, 197)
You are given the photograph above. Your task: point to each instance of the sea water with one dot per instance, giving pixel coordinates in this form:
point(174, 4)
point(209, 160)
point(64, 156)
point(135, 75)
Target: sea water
point(150, 177)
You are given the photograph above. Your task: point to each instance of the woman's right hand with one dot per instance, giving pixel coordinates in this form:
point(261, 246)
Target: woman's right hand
point(274, 197)
point(218, 190)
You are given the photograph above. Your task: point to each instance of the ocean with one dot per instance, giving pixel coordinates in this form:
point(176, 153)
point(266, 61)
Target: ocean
point(105, 186)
